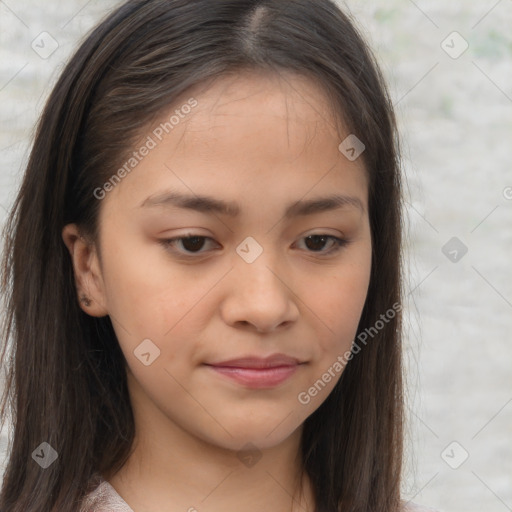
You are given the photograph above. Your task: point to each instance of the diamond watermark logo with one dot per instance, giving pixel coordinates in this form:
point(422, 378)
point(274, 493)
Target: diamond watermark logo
point(44, 455)
point(454, 455)
point(352, 147)
point(146, 352)
point(249, 250)
point(454, 45)
point(454, 249)
point(44, 45)
point(249, 455)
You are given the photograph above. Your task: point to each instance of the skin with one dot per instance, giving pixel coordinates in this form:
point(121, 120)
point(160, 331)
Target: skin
point(265, 142)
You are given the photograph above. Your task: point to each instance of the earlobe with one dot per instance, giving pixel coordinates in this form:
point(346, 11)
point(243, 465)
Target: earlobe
point(87, 271)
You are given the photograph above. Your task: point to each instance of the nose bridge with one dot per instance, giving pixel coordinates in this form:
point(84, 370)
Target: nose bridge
point(259, 295)
point(258, 265)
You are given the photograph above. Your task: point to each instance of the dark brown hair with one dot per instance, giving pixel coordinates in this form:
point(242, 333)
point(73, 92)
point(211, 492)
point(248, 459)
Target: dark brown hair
point(66, 379)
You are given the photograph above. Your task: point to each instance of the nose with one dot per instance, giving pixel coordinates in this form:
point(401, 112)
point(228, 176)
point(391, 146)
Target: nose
point(259, 297)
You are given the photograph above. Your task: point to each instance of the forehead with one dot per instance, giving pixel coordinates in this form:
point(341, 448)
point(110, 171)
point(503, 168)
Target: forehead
point(252, 137)
point(254, 99)
point(279, 89)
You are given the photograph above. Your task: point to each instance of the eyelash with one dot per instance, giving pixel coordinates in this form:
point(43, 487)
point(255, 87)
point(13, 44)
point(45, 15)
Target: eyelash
point(167, 244)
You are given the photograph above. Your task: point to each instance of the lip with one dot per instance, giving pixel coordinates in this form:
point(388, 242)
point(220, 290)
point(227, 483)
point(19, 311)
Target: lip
point(258, 372)
point(271, 361)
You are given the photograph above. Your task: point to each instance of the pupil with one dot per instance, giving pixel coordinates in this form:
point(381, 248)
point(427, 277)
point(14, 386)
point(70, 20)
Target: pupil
point(196, 240)
point(316, 237)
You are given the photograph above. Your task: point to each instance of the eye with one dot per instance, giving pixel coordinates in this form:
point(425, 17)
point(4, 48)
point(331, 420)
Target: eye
point(193, 244)
point(316, 242)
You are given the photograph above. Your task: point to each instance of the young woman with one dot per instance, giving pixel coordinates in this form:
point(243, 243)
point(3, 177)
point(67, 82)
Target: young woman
point(203, 270)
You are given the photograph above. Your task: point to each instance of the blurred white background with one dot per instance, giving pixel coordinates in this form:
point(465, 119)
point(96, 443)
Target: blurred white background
point(453, 95)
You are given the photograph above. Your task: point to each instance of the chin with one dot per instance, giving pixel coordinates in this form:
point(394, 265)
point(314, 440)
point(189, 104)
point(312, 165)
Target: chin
point(263, 432)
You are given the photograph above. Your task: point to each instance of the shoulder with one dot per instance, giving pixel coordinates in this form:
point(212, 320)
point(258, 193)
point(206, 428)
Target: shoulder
point(103, 498)
point(408, 506)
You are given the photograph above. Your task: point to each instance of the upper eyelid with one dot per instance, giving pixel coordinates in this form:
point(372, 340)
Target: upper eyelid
point(194, 235)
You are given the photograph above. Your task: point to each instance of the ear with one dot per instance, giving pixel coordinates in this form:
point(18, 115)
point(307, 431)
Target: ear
point(87, 270)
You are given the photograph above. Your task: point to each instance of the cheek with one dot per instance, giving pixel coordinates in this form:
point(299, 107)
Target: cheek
point(339, 303)
point(341, 299)
point(341, 311)
point(143, 290)
point(160, 302)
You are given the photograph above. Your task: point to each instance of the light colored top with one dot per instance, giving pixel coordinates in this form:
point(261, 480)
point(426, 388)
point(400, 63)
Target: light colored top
point(106, 499)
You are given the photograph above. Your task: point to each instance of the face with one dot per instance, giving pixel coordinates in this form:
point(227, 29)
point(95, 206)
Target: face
point(227, 316)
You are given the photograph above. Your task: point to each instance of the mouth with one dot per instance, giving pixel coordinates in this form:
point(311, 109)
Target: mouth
point(256, 372)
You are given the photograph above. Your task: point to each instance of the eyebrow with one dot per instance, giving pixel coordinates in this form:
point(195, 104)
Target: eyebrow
point(206, 204)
